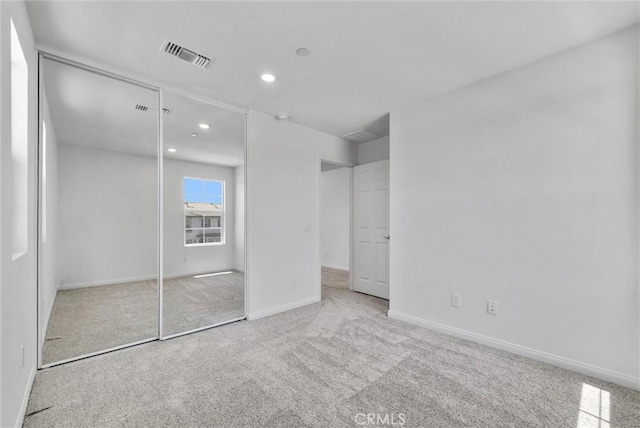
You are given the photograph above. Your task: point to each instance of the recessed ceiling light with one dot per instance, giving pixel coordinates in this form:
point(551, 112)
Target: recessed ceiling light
point(268, 77)
point(172, 150)
point(303, 52)
point(204, 126)
point(194, 134)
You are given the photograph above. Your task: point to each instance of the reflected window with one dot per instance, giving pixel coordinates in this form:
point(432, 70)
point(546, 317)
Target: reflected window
point(44, 182)
point(594, 407)
point(203, 211)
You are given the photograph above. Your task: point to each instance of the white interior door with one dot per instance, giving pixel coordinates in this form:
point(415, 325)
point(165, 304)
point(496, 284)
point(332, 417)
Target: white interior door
point(371, 229)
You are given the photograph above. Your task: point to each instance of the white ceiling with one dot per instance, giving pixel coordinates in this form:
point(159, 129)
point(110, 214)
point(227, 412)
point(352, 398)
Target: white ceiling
point(92, 110)
point(367, 59)
point(222, 144)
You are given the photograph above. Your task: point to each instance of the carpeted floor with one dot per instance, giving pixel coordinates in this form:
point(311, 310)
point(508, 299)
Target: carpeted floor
point(191, 303)
point(330, 364)
point(91, 319)
point(335, 278)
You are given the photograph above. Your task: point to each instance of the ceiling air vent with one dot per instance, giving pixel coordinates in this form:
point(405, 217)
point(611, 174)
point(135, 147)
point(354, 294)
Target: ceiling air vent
point(144, 108)
point(360, 136)
point(185, 54)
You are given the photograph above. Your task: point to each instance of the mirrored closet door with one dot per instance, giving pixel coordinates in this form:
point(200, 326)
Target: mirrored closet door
point(98, 258)
point(203, 215)
point(105, 281)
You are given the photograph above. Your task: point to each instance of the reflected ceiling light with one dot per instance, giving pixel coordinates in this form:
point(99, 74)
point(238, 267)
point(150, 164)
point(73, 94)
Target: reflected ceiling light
point(172, 150)
point(194, 134)
point(268, 77)
point(204, 126)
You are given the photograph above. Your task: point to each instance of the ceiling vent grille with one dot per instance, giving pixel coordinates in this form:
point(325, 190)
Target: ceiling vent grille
point(144, 108)
point(185, 54)
point(361, 136)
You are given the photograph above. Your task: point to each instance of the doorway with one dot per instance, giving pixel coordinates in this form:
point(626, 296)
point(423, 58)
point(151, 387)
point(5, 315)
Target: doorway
point(335, 226)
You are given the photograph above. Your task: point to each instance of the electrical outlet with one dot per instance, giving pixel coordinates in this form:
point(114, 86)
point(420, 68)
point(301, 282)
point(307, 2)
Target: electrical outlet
point(455, 300)
point(492, 307)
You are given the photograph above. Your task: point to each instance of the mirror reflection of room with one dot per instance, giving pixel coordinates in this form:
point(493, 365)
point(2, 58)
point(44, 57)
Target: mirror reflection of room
point(99, 227)
point(100, 216)
point(203, 188)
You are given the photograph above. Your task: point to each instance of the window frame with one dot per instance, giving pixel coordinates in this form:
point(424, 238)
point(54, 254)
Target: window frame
point(20, 162)
point(223, 215)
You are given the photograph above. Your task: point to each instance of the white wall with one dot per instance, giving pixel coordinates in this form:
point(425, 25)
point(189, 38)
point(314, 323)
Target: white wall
point(119, 192)
point(335, 200)
point(374, 150)
point(107, 212)
point(239, 217)
point(17, 277)
point(523, 188)
point(283, 189)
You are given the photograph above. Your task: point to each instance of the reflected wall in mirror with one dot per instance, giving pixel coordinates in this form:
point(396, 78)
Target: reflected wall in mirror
point(98, 217)
point(203, 188)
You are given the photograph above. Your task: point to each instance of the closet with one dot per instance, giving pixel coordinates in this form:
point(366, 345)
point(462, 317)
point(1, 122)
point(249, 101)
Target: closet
point(141, 212)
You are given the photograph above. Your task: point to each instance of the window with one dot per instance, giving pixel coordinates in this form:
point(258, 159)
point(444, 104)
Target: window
point(203, 211)
point(19, 145)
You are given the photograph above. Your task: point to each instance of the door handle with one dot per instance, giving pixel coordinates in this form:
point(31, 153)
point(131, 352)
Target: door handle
point(387, 237)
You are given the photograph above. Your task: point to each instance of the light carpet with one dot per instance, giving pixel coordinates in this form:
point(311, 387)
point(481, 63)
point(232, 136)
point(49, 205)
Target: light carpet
point(92, 319)
point(335, 278)
point(324, 365)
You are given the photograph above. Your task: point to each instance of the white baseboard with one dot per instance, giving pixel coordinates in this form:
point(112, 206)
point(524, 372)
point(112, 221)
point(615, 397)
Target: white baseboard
point(98, 283)
point(75, 285)
point(545, 357)
point(345, 268)
point(25, 398)
point(282, 308)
